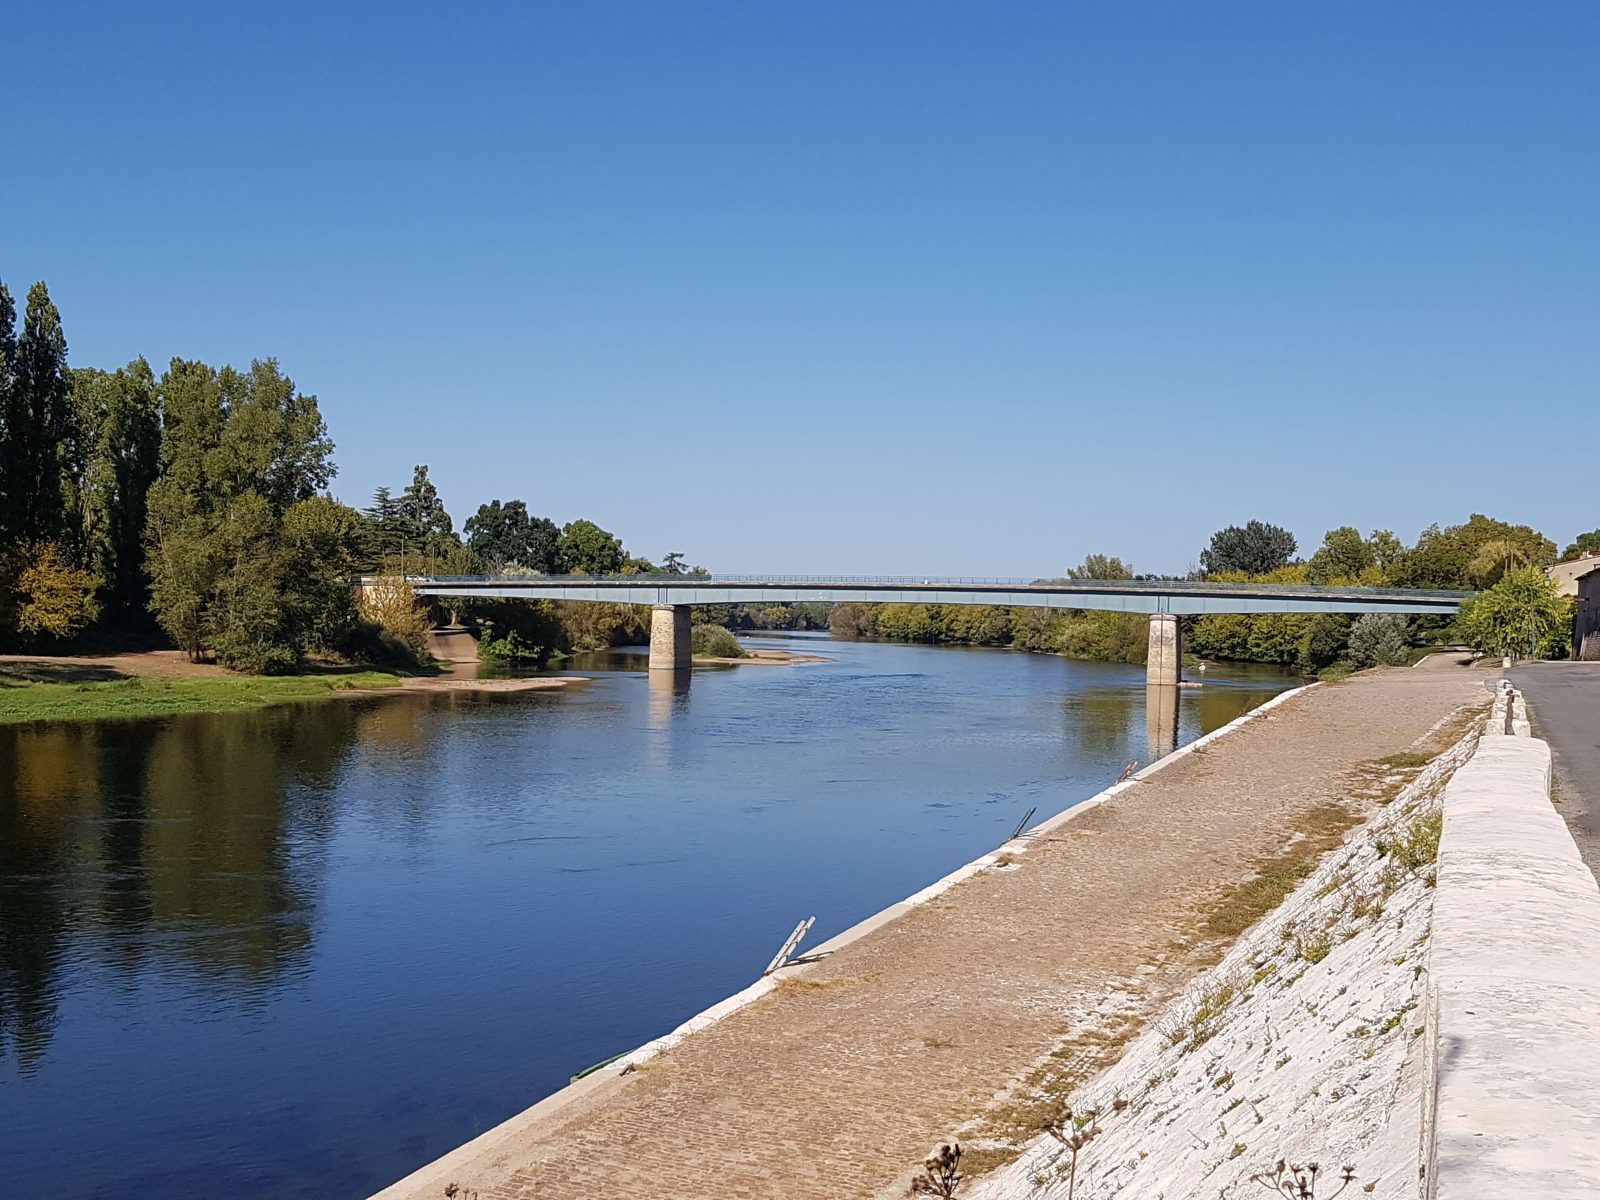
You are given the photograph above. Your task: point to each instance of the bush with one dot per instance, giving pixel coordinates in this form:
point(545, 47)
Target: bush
point(392, 605)
point(1379, 639)
point(53, 596)
point(713, 641)
point(1522, 614)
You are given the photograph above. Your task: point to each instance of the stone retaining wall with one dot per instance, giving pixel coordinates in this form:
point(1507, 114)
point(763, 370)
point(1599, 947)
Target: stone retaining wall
point(1513, 1102)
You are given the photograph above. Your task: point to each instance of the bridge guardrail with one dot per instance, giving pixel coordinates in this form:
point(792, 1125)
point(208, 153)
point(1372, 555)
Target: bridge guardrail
point(1200, 587)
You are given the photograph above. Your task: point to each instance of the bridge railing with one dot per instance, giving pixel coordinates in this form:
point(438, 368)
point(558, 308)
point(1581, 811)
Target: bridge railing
point(1201, 587)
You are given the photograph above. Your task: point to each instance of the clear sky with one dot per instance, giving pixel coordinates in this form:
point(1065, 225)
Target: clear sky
point(930, 288)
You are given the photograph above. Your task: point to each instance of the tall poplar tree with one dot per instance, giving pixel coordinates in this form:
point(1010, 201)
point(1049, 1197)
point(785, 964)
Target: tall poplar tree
point(8, 370)
point(38, 426)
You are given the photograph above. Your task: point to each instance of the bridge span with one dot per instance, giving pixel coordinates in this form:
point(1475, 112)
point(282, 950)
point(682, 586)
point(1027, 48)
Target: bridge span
point(1164, 600)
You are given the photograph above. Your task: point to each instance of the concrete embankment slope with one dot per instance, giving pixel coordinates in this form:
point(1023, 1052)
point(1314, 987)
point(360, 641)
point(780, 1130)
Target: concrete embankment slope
point(836, 1082)
point(1421, 1010)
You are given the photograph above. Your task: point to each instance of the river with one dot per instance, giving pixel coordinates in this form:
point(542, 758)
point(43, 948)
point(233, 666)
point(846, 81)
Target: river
point(300, 951)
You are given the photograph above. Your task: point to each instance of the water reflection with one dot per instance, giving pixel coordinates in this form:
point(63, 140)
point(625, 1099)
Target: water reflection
point(1160, 721)
point(189, 843)
point(299, 951)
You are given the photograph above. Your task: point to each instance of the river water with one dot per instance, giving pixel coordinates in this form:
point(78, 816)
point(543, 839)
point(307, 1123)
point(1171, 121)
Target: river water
point(301, 951)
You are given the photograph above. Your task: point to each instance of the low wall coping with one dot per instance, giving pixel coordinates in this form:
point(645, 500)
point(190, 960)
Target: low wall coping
point(1514, 990)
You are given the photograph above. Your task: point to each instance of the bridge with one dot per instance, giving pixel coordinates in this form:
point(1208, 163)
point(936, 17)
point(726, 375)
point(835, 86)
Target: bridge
point(1164, 600)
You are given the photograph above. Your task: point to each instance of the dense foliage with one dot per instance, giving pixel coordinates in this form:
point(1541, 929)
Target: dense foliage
point(714, 641)
point(1252, 549)
point(1522, 614)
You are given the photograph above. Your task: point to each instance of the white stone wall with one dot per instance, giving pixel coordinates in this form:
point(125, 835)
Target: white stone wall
point(1306, 1043)
point(1514, 979)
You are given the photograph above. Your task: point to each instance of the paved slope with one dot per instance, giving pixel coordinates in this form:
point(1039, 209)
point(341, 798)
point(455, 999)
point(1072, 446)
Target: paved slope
point(837, 1083)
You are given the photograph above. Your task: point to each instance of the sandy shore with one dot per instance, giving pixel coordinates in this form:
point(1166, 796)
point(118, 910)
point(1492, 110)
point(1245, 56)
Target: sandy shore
point(447, 683)
point(759, 658)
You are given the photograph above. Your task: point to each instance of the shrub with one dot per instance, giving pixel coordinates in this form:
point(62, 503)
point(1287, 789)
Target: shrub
point(54, 597)
point(713, 641)
point(1379, 639)
point(392, 605)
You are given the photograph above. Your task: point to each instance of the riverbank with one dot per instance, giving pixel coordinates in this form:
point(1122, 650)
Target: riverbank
point(1023, 977)
point(164, 683)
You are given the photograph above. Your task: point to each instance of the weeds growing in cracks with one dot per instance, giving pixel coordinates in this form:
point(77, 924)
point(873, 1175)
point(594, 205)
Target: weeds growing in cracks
point(941, 1173)
point(1299, 1181)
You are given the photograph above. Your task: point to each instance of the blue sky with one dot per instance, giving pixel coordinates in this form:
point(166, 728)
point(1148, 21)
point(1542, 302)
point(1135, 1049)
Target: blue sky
point(966, 289)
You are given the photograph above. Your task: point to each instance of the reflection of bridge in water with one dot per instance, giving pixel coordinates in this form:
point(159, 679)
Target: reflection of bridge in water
point(1164, 601)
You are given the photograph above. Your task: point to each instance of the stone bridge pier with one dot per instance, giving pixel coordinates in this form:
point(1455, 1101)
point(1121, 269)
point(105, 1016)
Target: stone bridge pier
point(1163, 673)
point(669, 638)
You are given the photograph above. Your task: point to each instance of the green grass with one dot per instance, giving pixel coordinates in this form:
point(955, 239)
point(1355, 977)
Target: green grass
point(27, 701)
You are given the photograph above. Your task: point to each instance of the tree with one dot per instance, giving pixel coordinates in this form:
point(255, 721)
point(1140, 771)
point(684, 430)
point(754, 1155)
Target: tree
point(53, 596)
point(504, 534)
point(588, 548)
point(1586, 543)
point(1099, 566)
point(1522, 614)
point(121, 416)
point(319, 545)
point(36, 428)
point(1344, 554)
point(1254, 549)
point(429, 532)
point(384, 534)
point(243, 554)
point(8, 372)
point(1379, 639)
point(1446, 558)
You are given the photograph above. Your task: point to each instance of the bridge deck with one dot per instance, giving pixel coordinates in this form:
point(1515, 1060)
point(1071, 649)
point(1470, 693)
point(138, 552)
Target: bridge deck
point(1134, 596)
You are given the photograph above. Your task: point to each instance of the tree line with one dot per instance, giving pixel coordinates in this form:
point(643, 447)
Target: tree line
point(1516, 611)
point(196, 502)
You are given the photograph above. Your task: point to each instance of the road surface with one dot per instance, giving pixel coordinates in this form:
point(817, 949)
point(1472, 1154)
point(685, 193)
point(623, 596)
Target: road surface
point(1564, 702)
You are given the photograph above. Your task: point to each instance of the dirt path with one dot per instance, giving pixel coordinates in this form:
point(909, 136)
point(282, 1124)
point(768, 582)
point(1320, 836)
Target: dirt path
point(836, 1084)
point(97, 668)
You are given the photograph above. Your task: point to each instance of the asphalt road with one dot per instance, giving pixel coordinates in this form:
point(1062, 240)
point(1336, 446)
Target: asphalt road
point(1564, 703)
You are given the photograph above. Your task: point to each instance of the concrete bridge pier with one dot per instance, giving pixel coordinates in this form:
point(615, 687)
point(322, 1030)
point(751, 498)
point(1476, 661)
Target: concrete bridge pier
point(669, 638)
point(1163, 673)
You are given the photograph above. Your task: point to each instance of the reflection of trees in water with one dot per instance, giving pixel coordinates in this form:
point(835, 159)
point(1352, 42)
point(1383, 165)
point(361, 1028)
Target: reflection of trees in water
point(51, 767)
point(1102, 720)
point(1216, 706)
point(196, 839)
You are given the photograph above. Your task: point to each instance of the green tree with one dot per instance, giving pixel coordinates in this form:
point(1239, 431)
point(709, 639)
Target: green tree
point(1254, 549)
point(36, 429)
point(504, 535)
point(588, 548)
point(1448, 557)
point(1379, 639)
point(8, 414)
point(1522, 614)
point(319, 548)
point(230, 568)
point(429, 532)
point(1099, 566)
point(1344, 555)
point(121, 416)
point(1586, 543)
point(383, 531)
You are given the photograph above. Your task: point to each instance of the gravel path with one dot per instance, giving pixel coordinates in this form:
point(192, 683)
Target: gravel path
point(836, 1084)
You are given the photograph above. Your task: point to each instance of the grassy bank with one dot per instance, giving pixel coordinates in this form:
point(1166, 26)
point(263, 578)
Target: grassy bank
point(24, 700)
